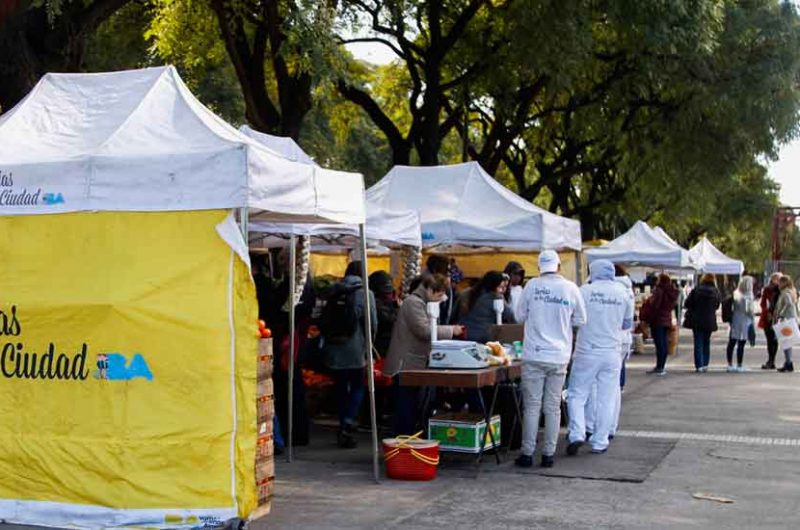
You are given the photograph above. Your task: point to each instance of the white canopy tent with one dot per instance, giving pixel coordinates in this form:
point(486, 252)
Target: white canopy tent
point(712, 259)
point(462, 205)
point(646, 247)
point(140, 141)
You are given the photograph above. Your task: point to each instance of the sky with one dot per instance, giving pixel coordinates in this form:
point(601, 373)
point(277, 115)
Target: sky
point(785, 171)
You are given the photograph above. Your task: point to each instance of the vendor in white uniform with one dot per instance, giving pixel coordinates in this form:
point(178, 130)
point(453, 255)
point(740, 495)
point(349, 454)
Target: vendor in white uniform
point(550, 307)
point(597, 359)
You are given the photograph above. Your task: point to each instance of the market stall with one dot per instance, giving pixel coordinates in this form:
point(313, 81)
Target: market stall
point(130, 301)
point(713, 260)
point(461, 207)
point(644, 247)
point(383, 227)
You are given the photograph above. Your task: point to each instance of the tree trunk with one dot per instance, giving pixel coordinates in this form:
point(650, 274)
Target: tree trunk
point(31, 46)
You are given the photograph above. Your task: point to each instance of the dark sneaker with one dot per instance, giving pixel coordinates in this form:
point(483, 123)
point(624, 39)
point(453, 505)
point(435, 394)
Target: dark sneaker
point(768, 366)
point(572, 448)
point(788, 367)
point(547, 461)
point(599, 451)
point(524, 461)
point(656, 371)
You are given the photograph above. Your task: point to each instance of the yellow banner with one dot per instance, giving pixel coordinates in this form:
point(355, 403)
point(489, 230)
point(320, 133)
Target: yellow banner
point(127, 368)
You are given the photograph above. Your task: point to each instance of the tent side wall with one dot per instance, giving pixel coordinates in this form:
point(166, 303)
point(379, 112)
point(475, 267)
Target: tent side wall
point(136, 310)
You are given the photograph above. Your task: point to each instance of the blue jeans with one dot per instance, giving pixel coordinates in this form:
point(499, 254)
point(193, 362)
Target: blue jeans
point(702, 348)
point(660, 339)
point(349, 394)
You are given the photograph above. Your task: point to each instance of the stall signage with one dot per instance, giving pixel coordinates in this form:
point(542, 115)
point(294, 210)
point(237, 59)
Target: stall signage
point(20, 362)
point(15, 196)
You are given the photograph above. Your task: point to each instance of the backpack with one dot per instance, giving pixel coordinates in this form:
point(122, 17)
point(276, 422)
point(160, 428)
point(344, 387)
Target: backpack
point(727, 309)
point(339, 320)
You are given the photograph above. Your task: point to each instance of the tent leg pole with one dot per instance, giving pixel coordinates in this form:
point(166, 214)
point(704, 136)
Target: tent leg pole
point(370, 374)
point(292, 290)
point(244, 223)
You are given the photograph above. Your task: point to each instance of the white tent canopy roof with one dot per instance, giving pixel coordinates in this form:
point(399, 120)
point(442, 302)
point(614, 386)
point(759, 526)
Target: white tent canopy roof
point(462, 205)
point(713, 260)
point(283, 145)
point(140, 141)
point(383, 227)
point(644, 246)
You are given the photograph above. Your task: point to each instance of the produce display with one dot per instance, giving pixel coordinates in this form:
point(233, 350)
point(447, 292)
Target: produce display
point(500, 356)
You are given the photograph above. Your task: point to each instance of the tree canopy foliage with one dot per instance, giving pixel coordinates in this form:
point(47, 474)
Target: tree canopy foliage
point(607, 111)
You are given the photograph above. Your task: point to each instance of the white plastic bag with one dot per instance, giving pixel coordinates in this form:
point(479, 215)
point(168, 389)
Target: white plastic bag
point(788, 333)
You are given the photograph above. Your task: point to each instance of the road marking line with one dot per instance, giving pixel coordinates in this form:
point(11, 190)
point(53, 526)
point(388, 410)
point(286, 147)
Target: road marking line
point(702, 437)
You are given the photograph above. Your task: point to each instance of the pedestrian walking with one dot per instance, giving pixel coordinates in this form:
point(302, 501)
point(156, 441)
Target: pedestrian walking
point(702, 305)
point(346, 347)
point(741, 321)
point(786, 309)
point(769, 299)
point(550, 307)
point(662, 304)
point(609, 311)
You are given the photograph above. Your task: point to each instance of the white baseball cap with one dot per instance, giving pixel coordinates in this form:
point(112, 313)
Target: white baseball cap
point(549, 261)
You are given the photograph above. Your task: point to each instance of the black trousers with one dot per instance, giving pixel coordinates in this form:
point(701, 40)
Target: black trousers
point(772, 344)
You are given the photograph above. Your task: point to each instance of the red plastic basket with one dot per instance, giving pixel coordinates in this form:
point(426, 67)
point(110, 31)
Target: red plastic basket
point(408, 458)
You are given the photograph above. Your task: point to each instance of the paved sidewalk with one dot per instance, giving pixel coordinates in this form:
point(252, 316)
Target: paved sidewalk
point(729, 435)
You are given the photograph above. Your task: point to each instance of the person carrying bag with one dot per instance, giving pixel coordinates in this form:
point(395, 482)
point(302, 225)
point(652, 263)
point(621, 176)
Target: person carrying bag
point(786, 327)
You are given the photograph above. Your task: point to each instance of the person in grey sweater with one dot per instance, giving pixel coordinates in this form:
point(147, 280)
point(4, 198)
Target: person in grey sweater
point(786, 309)
point(743, 310)
point(411, 346)
point(346, 350)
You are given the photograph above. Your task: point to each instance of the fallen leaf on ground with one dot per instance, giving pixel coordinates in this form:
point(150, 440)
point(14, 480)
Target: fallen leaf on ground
point(713, 498)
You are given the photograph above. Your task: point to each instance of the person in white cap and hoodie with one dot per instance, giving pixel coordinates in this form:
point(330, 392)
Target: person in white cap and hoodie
point(550, 307)
point(625, 351)
point(597, 358)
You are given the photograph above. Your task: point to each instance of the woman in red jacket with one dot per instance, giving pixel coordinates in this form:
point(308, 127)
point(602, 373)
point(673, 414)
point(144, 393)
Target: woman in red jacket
point(662, 305)
point(769, 299)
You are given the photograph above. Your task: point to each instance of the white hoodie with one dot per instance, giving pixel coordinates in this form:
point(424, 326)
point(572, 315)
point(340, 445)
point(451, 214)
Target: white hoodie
point(550, 307)
point(609, 307)
point(627, 334)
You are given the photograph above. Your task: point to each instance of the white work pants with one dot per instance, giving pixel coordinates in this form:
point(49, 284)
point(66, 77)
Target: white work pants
point(589, 369)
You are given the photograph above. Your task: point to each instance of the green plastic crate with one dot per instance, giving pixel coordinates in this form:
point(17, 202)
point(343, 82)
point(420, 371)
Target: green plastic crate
point(462, 433)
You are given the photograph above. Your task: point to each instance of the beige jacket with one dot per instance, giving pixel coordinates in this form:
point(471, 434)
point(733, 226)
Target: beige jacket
point(411, 336)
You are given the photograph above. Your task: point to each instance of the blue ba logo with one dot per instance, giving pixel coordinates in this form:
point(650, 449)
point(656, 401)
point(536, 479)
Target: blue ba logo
point(428, 236)
point(51, 199)
point(115, 367)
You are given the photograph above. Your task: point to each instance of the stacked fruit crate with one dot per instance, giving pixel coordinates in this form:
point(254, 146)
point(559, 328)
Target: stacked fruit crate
point(265, 449)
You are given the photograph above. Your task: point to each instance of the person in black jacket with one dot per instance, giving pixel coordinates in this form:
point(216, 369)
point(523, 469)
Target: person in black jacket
point(702, 305)
point(380, 283)
point(438, 264)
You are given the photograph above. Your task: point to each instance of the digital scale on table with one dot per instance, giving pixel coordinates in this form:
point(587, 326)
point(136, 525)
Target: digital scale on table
point(458, 354)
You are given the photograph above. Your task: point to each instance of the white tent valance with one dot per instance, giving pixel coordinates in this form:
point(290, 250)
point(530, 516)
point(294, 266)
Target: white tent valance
point(383, 227)
point(712, 259)
point(462, 205)
point(140, 141)
point(644, 246)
